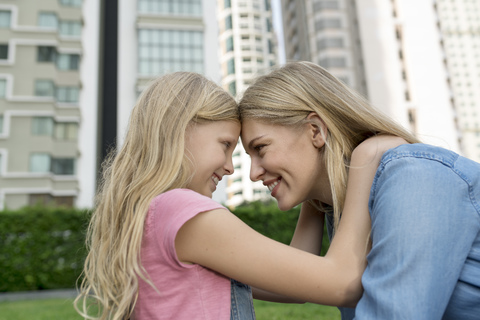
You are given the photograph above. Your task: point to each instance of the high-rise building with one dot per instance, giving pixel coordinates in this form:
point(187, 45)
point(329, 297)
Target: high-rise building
point(40, 92)
point(391, 51)
point(247, 46)
point(70, 73)
point(459, 25)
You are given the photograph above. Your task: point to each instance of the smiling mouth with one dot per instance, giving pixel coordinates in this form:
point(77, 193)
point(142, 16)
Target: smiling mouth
point(215, 179)
point(272, 185)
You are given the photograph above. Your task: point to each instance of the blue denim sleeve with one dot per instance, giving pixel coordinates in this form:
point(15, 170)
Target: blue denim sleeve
point(422, 232)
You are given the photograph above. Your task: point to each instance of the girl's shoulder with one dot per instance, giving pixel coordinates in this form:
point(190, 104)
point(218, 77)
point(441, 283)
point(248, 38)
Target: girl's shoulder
point(184, 199)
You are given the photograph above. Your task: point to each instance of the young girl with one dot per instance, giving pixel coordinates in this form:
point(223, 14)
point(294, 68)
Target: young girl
point(424, 202)
point(161, 248)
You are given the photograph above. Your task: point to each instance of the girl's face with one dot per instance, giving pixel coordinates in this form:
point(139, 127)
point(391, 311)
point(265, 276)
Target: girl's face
point(210, 147)
point(288, 161)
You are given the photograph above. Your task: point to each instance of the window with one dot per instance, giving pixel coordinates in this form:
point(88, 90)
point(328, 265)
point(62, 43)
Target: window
point(269, 25)
point(67, 94)
point(1, 123)
point(46, 126)
point(42, 126)
point(267, 5)
point(3, 51)
point(70, 28)
point(230, 44)
point(3, 88)
point(68, 61)
point(232, 88)
point(44, 163)
point(63, 166)
point(322, 5)
point(71, 3)
point(171, 7)
point(331, 23)
point(161, 51)
point(66, 130)
point(48, 20)
point(228, 22)
point(63, 61)
point(5, 17)
point(46, 54)
point(330, 43)
point(40, 162)
point(44, 88)
point(231, 66)
point(333, 62)
point(227, 3)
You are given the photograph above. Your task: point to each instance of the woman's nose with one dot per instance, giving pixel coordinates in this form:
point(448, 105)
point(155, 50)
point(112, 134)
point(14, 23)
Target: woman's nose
point(256, 171)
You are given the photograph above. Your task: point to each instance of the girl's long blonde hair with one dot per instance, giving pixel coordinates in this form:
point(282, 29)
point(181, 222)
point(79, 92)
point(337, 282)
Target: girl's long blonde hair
point(287, 95)
point(151, 161)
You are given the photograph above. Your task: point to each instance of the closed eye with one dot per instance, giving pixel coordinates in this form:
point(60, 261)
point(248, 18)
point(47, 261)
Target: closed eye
point(258, 147)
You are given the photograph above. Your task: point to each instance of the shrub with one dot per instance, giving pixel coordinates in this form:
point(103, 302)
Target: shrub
point(41, 248)
point(270, 221)
point(44, 247)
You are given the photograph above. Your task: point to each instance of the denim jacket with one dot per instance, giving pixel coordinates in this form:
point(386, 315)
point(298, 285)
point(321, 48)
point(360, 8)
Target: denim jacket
point(425, 259)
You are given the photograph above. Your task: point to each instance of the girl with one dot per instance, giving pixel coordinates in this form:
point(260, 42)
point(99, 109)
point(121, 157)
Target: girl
point(161, 248)
point(424, 202)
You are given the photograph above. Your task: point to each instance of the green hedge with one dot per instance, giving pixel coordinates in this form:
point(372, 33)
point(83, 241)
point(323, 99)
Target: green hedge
point(270, 221)
point(43, 248)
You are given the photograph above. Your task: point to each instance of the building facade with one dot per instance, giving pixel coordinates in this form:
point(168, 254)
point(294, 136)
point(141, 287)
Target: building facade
point(53, 84)
point(247, 49)
point(390, 51)
point(40, 114)
point(459, 25)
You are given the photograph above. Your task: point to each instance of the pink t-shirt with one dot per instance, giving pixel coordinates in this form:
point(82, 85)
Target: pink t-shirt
point(186, 291)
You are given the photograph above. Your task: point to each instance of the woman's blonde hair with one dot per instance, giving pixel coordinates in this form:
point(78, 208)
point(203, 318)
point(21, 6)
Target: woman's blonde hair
point(289, 94)
point(151, 161)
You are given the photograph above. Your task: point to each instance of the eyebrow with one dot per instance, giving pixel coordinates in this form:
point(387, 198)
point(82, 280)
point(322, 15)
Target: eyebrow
point(252, 142)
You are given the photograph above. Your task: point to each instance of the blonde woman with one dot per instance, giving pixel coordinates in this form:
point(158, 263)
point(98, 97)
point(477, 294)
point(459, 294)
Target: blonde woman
point(424, 202)
point(161, 248)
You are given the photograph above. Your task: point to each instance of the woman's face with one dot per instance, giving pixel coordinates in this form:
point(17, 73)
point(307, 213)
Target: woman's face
point(287, 160)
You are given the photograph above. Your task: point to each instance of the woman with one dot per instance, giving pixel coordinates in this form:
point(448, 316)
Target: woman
point(424, 201)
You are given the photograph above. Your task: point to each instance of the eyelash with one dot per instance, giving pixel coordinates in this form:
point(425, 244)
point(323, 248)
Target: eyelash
point(258, 147)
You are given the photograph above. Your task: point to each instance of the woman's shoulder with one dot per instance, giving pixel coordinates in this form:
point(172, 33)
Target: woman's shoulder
point(421, 151)
point(373, 149)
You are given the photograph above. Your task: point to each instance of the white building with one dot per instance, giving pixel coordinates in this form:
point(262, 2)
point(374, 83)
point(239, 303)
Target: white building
point(247, 49)
point(459, 22)
point(390, 51)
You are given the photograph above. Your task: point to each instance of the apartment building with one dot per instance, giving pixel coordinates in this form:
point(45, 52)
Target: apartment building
point(247, 49)
point(459, 25)
point(70, 73)
point(390, 51)
point(40, 114)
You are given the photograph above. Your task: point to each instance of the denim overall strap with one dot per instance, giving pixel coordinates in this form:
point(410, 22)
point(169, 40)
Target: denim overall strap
point(242, 303)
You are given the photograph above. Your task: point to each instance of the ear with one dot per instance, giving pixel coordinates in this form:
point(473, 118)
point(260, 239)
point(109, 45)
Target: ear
point(318, 130)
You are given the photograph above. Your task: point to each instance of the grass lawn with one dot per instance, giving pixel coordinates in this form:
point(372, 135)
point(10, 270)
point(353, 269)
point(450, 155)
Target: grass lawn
point(282, 311)
point(62, 309)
